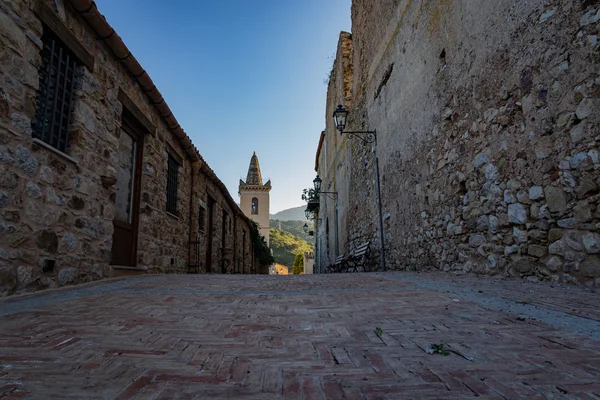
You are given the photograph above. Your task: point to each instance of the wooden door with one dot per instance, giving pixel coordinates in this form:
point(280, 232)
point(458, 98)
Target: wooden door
point(127, 197)
point(209, 233)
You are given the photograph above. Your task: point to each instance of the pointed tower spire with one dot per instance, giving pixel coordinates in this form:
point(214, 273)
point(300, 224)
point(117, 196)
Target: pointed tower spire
point(254, 197)
point(254, 177)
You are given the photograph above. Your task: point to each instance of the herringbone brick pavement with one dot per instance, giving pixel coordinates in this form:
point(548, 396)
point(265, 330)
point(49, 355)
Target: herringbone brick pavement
point(293, 337)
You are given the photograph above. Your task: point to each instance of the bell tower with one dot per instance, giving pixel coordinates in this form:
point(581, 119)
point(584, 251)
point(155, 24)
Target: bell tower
point(254, 197)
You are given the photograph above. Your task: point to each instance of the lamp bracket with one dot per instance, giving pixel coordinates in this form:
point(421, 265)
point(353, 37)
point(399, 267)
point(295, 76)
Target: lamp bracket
point(331, 195)
point(365, 136)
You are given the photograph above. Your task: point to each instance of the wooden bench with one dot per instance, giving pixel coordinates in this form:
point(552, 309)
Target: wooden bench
point(359, 258)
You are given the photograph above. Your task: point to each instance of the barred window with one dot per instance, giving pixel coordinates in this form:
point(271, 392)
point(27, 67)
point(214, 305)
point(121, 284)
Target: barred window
point(254, 205)
point(172, 181)
point(55, 94)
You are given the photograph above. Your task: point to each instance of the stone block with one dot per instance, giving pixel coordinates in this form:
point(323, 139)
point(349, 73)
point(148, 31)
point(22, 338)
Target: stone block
point(537, 251)
point(536, 193)
point(25, 160)
point(556, 199)
point(587, 187)
point(586, 107)
point(557, 248)
point(66, 276)
point(567, 223)
point(520, 235)
point(25, 275)
point(591, 267)
point(554, 263)
point(591, 242)
point(580, 161)
point(32, 190)
point(573, 240)
point(517, 214)
point(47, 240)
point(582, 212)
point(509, 197)
point(524, 265)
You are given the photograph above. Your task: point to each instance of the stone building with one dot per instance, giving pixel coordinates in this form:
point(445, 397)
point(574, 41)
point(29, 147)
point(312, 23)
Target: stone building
point(97, 176)
point(308, 262)
point(254, 197)
point(487, 117)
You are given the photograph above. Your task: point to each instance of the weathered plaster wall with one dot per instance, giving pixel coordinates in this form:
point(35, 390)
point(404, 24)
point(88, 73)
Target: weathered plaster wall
point(487, 120)
point(333, 166)
point(54, 208)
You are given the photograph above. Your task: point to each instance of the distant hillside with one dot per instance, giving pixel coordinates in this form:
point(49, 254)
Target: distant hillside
point(285, 246)
point(295, 228)
point(291, 214)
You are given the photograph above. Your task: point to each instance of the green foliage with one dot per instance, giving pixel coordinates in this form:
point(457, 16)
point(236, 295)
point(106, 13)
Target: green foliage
point(310, 195)
point(378, 331)
point(261, 249)
point(285, 246)
point(295, 228)
point(299, 260)
point(439, 349)
point(298, 264)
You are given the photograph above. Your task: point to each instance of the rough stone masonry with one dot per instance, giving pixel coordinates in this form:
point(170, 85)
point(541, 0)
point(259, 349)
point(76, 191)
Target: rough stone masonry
point(61, 206)
point(487, 121)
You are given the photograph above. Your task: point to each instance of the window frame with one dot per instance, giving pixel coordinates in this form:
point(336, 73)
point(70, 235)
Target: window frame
point(55, 96)
point(252, 206)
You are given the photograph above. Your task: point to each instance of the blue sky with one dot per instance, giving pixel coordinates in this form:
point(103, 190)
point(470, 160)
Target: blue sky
point(241, 76)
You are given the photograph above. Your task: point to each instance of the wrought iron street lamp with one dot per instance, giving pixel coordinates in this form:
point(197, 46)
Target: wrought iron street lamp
point(317, 184)
point(305, 228)
point(309, 214)
point(340, 116)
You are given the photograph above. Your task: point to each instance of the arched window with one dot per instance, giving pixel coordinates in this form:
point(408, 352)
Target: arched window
point(254, 205)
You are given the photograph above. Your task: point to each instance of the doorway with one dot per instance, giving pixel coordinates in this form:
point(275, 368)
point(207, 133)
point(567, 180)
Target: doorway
point(224, 252)
point(127, 196)
point(209, 233)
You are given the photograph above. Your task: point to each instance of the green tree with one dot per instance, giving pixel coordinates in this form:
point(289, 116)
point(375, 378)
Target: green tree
point(285, 246)
point(298, 264)
point(261, 249)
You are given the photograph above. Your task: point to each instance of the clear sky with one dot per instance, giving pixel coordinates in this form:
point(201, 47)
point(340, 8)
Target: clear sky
point(241, 76)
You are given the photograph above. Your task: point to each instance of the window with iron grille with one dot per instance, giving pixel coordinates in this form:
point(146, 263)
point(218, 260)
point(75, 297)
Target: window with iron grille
point(55, 94)
point(172, 180)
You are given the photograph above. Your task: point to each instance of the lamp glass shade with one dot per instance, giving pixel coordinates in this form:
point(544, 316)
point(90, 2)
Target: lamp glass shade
point(308, 213)
point(339, 117)
point(305, 228)
point(317, 182)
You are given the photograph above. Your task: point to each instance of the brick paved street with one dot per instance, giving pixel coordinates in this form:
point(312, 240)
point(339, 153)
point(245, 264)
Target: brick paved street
point(301, 337)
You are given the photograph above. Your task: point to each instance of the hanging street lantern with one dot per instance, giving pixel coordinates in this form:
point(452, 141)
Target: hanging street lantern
point(317, 183)
point(339, 116)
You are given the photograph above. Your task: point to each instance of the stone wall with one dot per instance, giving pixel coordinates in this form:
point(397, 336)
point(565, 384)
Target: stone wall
point(332, 163)
point(54, 205)
point(487, 122)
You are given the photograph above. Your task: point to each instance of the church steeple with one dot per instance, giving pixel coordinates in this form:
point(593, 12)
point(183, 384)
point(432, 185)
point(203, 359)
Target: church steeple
point(254, 197)
point(254, 177)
